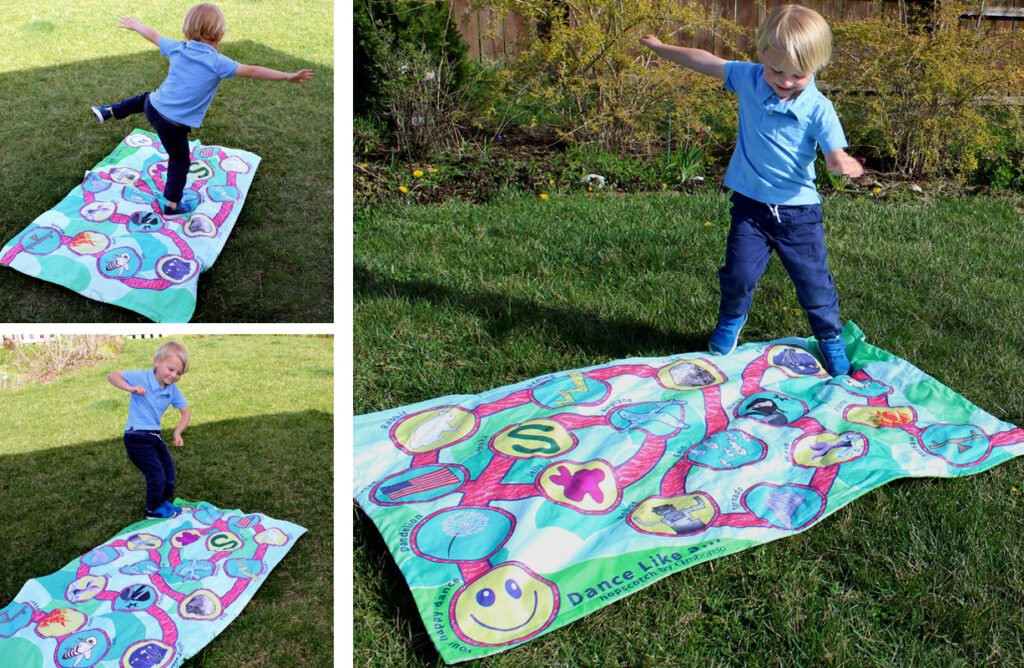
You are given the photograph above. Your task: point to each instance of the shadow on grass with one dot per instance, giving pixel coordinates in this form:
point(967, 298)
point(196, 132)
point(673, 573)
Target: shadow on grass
point(57, 504)
point(500, 314)
point(278, 264)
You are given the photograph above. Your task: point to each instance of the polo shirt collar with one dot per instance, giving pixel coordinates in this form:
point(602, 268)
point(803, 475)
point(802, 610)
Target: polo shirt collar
point(800, 107)
point(202, 46)
point(154, 384)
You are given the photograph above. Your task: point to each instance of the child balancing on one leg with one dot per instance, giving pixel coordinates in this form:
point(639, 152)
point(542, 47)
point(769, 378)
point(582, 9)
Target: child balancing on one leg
point(783, 119)
point(181, 101)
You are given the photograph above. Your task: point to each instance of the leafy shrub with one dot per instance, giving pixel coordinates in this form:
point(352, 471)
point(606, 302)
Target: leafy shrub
point(585, 65)
point(912, 93)
point(410, 66)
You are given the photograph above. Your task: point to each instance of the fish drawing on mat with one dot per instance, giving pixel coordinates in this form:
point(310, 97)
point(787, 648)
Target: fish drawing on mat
point(81, 650)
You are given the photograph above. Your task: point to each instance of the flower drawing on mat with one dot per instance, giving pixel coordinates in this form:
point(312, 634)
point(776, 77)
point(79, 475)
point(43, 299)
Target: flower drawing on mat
point(463, 524)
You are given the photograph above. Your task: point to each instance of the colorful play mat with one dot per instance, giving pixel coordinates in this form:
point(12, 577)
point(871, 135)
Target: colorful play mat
point(110, 241)
point(150, 597)
point(518, 510)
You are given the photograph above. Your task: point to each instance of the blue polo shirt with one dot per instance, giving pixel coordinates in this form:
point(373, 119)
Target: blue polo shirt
point(145, 412)
point(778, 140)
point(193, 75)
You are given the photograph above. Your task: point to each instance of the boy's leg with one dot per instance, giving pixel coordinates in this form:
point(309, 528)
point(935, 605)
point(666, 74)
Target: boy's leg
point(142, 451)
point(129, 106)
point(801, 247)
point(174, 138)
point(800, 243)
point(746, 255)
point(169, 474)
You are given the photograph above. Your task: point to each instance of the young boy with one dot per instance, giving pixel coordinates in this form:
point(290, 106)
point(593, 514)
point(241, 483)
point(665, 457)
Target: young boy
point(783, 118)
point(181, 101)
point(153, 390)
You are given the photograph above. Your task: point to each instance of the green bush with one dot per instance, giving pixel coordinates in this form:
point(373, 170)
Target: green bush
point(584, 67)
point(915, 94)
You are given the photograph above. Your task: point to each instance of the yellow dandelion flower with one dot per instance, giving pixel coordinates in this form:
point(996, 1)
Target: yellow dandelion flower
point(876, 190)
point(590, 189)
point(417, 173)
point(707, 224)
point(543, 195)
point(433, 170)
point(403, 189)
point(551, 182)
point(364, 165)
point(664, 185)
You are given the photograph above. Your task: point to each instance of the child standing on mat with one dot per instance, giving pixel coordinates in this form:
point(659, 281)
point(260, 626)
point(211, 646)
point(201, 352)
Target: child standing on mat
point(181, 101)
point(783, 119)
point(153, 390)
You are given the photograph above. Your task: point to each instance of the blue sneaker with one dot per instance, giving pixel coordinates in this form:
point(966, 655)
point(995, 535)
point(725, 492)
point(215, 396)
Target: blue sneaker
point(727, 333)
point(103, 112)
point(176, 509)
point(182, 208)
point(833, 353)
point(163, 511)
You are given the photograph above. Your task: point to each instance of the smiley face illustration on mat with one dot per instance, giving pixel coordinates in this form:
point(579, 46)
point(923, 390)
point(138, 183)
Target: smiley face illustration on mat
point(507, 604)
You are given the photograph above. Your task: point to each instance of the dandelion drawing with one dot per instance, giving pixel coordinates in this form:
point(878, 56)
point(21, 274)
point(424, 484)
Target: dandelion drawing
point(463, 524)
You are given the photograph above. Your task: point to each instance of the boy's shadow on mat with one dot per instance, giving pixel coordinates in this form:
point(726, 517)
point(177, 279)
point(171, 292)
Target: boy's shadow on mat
point(58, 504)
point(501, 315)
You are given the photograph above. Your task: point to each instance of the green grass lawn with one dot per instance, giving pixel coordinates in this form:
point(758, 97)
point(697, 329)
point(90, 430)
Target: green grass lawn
point(457, 299)
point(57, 60)
point(260, 440)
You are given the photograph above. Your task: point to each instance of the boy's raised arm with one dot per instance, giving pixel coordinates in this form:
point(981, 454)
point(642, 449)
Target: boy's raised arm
point(128, 23)
point(697, 60)
point(267, 74)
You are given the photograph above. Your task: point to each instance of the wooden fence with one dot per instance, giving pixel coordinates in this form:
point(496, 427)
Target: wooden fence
point(494, 36)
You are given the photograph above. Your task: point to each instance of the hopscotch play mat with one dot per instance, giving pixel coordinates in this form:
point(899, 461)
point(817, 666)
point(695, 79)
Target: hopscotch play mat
point(110, 241)
point(150, 597)
point(518, 510)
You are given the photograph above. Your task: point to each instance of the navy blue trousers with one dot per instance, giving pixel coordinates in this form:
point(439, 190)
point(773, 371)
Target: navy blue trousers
point(147, 450)
point(173, 136)
point(797, 235)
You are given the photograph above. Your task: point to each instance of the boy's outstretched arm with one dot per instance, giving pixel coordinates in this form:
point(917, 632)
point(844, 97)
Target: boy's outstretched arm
point(116, 379)
point(697, 60)
point(186, 415)
point(839, 162)
point(267, 74)
point(128, 23)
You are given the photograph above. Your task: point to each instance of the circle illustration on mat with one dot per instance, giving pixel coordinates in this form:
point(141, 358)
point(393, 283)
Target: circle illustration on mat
point(143, 541)
point(89, 243)
point(462, 534)
point(199, 171)
point(790, 507)
point(119, 262)
point(99, 556)
point(771, 408)
point(507, 604)
point(728, 449)
point(793, 361)
point(243, 568)
point(82, 650)
point(97, 211)
point(200, 225)
point(674, 515)
point(125, 175)
point(94, 183)
point(657, 418)
point(136, 140)
point(433, 429)
point(147, 654)
point(420, 483)
point(14, 617)
point(571, 389)
point(134, 598)
point(60, 622)
point(201, 604)
point(234, 164)
point(85, 588)
point(144, 221)
point(828, 449)
point(958, 444)
point(690, 375)
point(587, 487)
point(41, 240)
point(881, 416)
point(533, 438)
point(176, 268)
point(223, 541)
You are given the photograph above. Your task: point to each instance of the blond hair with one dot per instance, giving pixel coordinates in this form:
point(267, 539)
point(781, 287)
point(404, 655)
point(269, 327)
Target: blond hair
point(800, 33)
point(204, 23)
point(172, 348)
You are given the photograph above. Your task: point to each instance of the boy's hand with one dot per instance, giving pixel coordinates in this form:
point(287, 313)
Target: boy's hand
point(300, 76)
point(650, 41)
point(128, 23)
point(139, 390)
point(178, 441)
point(840, 163)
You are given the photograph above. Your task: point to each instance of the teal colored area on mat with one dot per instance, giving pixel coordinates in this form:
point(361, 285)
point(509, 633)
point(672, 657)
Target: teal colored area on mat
point(518, 510)
point(109, 239)
point(151, 596)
